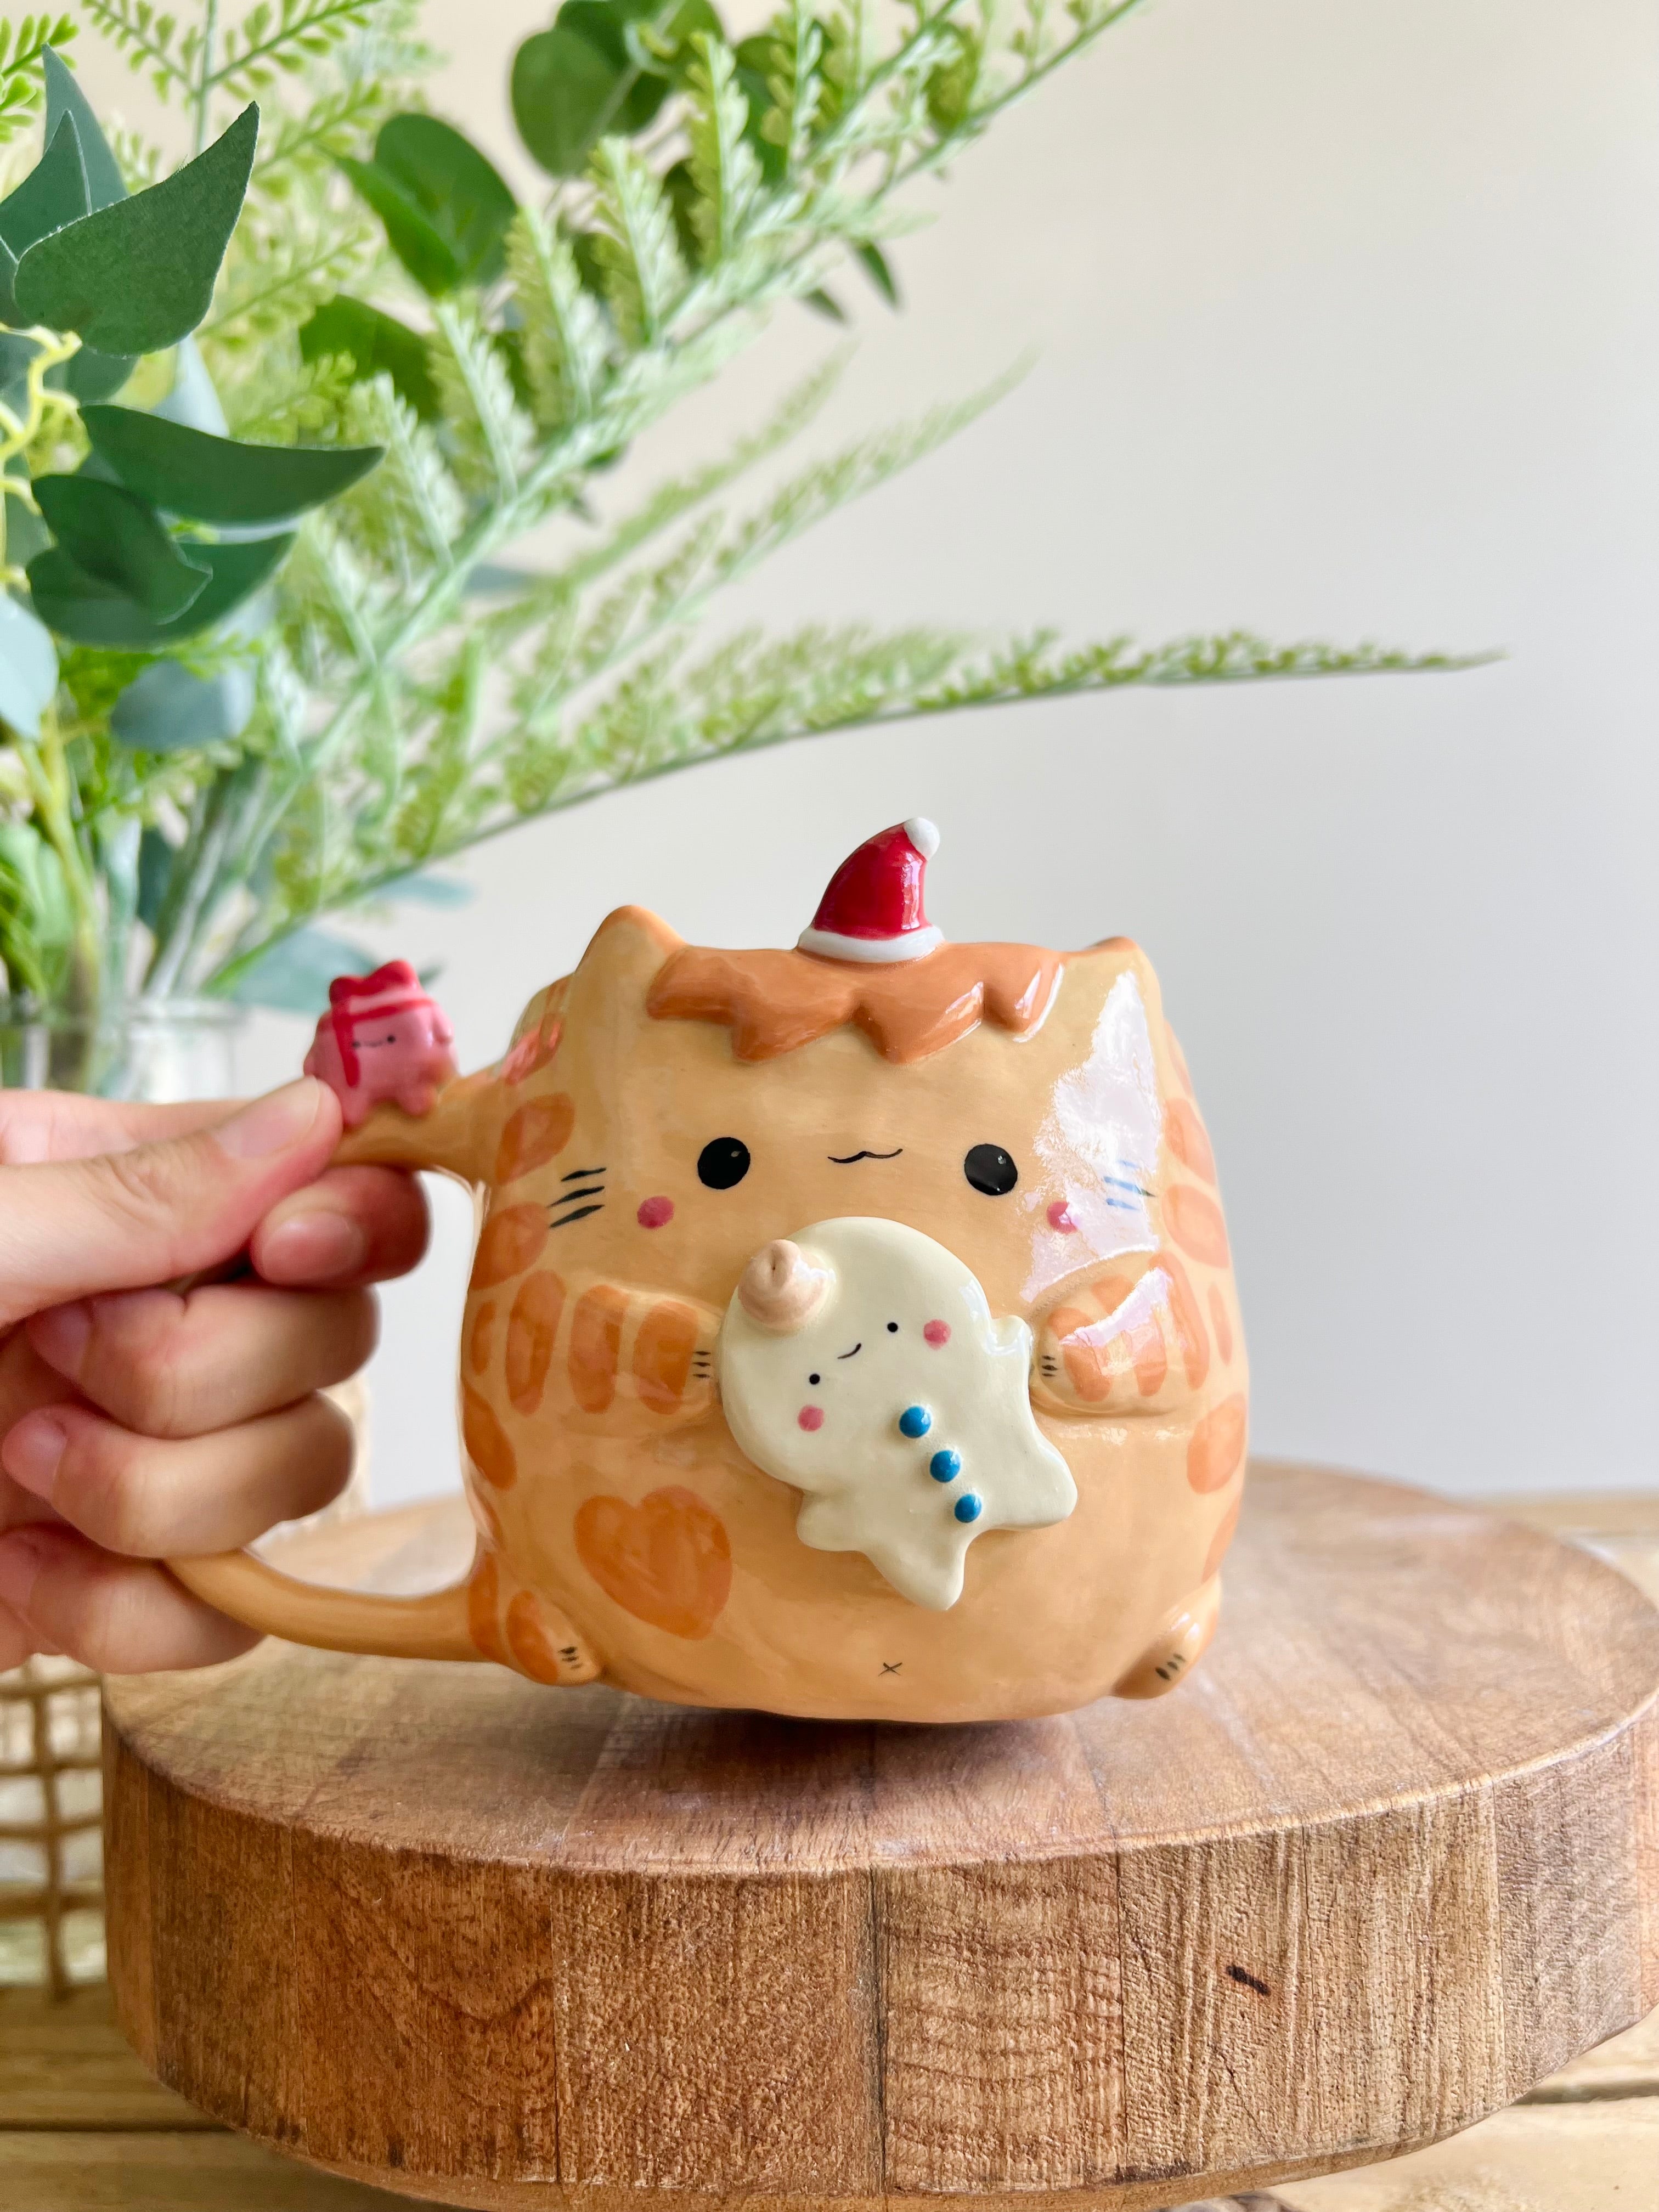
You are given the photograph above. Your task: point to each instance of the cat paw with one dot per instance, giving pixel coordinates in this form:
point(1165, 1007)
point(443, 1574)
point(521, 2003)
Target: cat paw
point(1178, 1647)
point(530, 1634)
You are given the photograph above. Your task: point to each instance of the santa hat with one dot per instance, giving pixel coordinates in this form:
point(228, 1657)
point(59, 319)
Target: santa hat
point(872, 910)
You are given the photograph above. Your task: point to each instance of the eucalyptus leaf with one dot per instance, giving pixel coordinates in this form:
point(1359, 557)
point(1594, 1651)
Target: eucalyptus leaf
point(26, 531)
point(137, 277)
point(445, 207)
point(215, 479)
point(119, 537)
point(79, 605)
point(376, 344)
point(169, 708)
point(294, 977)
point(568, 93)
point(29, 668)
point(53, 193)
point(156, 865)
point(105, 182)
point(90, 375)
point(418, 243)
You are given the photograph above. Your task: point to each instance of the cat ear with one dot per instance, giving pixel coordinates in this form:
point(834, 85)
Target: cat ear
point(609, 989)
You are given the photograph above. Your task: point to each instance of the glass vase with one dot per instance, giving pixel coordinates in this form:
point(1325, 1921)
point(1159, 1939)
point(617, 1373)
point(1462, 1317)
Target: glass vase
point(154, 1049)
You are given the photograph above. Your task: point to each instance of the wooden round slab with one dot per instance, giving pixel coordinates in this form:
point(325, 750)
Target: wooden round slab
point(1388, 1859)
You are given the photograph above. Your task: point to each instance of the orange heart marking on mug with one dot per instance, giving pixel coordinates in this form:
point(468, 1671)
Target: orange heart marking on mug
point(666, 1560)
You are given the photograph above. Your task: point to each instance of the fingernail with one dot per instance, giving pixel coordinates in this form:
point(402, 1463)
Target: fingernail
point(19, 1564)
point(271, 1124)
point(31, 1452)
point(60, 1335)
point(313, 1248)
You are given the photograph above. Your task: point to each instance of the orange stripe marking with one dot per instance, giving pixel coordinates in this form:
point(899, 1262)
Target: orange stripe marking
point(595, 1343)
point(485, 1439)
point(1224, 1327)
point(1196, 1225)
point(662, 1355)
point(536, 1133)
point(531, 1328)
point(512, 1237)
point(1189, 1138)
point(1217, 1446)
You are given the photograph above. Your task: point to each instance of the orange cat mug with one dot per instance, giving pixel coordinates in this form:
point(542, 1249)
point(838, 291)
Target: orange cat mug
point(852, 1331)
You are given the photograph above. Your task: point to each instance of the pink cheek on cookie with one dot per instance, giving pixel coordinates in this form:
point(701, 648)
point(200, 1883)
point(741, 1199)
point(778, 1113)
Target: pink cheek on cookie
point(811, 1418)
point(937, 1332)
point(1060, 1217)
point(654, 1212)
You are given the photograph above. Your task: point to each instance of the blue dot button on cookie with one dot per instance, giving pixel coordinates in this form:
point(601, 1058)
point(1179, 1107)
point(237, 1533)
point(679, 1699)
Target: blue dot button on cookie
point(915, 1421)
point(944, 1466)
point(969, 1508)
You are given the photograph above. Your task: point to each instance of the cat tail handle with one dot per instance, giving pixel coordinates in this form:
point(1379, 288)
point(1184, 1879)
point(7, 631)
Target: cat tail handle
point(251, 1590)
point(450, 1139)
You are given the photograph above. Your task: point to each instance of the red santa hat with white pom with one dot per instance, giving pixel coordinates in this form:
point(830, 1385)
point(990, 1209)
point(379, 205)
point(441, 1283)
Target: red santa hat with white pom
point(873, 909)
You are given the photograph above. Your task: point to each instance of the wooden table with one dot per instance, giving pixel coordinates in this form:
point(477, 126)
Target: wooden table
point(82, 2126)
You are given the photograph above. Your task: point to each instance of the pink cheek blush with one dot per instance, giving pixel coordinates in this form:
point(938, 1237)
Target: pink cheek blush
point(654, 1212)
point(937, 1332)
point(811, 1418)
point(1060, 1217)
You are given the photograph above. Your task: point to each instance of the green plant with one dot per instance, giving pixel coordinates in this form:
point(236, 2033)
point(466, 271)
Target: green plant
point(270, 424)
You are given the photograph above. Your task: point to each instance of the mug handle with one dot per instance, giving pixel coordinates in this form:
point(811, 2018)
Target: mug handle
point(452, 1140)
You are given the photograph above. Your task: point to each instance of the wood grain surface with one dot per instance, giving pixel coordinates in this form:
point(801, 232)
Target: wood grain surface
point(1389, 1860)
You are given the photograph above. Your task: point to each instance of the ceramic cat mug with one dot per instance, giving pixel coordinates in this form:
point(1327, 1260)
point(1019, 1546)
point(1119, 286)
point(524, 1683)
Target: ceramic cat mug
point(852, 1329)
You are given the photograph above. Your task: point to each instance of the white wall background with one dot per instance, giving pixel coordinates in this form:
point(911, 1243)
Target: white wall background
point(1347, 322)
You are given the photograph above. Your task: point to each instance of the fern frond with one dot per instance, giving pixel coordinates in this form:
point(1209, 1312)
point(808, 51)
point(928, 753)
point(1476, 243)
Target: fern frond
point(493, 441)
point(673, 500)
point(796, 82)
point(275, 277)
point(285, 401)
point(725, 174)
point(406, 514)
point(638, 255)
point(284, 37)
point(308, 144)
point(563, 334)
point(150, 41)
point(22, 45)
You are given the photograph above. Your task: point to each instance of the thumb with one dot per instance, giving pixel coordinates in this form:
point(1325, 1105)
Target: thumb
point(126, 1219)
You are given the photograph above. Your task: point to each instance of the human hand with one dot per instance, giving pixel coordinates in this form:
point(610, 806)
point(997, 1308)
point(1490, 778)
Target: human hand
point(138, 1423)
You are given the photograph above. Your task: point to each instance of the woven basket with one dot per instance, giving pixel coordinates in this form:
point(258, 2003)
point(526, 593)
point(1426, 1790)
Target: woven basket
point(52, 1889)
point(52, 1844)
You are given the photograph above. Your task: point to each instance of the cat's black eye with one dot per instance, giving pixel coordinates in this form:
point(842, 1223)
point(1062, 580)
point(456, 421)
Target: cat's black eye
point(815, 1380)
point(892, 1328)
point(991, 1169)
point(722, 1161)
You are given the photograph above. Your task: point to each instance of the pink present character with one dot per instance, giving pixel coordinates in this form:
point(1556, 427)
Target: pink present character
point(382, 1037)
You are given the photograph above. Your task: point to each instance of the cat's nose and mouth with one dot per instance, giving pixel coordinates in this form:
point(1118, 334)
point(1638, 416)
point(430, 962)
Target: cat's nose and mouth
point(851, 1159)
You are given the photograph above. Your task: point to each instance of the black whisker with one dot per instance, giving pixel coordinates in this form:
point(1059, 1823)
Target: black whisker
point(581, 1174)
point(593, 1190)
point(580, 1214)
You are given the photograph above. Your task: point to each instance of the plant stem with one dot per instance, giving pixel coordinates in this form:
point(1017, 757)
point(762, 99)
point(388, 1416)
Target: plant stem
point(203, 97)
point(50, 787)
